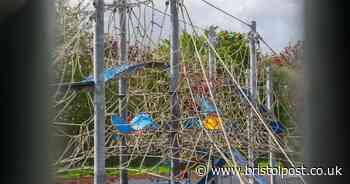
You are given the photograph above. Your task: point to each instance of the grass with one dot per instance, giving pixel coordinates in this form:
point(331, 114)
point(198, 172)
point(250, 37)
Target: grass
point(265, 163)
point(88, 171)
point(134, 171)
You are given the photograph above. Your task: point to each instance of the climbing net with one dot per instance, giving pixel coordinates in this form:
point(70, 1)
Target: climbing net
point(214, 111)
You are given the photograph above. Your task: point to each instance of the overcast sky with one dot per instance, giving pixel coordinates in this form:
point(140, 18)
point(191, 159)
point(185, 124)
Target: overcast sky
point(279, 21)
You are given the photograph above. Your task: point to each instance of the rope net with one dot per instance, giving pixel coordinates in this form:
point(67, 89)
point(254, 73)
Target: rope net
point(202, 137)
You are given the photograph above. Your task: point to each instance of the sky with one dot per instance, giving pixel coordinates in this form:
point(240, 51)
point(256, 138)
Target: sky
point(278, 21)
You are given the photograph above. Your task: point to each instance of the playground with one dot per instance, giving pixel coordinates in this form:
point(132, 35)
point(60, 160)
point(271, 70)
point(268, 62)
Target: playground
point(144, 95)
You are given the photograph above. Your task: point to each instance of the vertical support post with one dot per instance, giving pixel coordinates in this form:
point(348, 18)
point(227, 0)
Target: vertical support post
point(174, 72)
point(99, 100)
point(269, 102)
point(212, 69)
point(212, 57)
point(253, 92)
point(123, 88)
point(246, 74)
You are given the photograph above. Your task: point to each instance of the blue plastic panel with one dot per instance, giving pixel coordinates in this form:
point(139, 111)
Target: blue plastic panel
point(142, 121)
point(192, 122)
point(121, 125)
point(139, 122)
point(277, 127)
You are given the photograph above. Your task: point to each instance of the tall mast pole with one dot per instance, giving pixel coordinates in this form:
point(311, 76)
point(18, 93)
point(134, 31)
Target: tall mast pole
point(123, 88)
point(99, 100)
point(212, 68)
point(269, 102)
point(212, 57)
point(174, 72)
point(253, 92)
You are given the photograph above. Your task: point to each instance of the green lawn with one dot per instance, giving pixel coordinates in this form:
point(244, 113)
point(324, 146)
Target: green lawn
point(88, 171)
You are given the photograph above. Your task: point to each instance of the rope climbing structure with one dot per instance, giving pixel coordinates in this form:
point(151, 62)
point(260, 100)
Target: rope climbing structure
point(132, 98)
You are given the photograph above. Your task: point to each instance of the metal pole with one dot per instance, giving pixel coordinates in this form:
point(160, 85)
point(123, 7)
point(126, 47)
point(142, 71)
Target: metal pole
point(269, 101)
point(174, 72)
point(212, 68)
point(212, 57)
point(253, 92)
point(123, 88)
point(99, 106)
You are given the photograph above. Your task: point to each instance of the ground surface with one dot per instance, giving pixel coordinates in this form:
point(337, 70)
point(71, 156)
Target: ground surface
point(147, 180)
